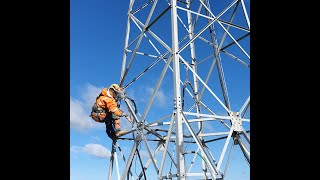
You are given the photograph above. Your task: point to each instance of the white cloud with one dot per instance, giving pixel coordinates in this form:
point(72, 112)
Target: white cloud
point(89, 94)
point(124, 124)
point(80, 109)
point(96, 150)
point(79, 117)
point(131, 94)
point(96, 138)
point(207, 125)
point(144, 154)
point(75, 149)
point(160, 97)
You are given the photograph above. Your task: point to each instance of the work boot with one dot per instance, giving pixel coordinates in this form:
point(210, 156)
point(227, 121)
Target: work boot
point(120, 132)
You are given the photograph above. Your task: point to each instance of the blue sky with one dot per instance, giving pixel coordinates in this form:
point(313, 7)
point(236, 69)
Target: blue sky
point(97, 34)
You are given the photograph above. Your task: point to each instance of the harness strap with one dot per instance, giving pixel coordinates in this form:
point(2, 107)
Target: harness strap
point(108, 93)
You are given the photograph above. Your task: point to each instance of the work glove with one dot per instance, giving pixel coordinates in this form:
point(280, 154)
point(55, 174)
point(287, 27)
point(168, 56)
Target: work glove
point(115, 116)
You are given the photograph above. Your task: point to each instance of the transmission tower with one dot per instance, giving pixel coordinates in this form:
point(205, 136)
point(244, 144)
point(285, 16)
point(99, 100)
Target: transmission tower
point(193, 56)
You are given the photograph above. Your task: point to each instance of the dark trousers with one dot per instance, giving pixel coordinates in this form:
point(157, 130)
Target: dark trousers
point(110, 129)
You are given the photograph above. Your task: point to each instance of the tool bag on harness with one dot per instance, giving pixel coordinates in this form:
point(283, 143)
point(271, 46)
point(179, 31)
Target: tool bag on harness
point(97, 113)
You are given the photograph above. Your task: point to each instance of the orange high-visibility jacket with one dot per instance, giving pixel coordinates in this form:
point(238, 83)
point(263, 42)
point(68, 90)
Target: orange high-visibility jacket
point(107, 101)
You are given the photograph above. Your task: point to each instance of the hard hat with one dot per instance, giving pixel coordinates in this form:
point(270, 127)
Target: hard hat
point(120, 92)
point(115, 87)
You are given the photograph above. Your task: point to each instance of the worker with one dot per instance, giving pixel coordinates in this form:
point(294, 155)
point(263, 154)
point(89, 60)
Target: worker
point(108, 110)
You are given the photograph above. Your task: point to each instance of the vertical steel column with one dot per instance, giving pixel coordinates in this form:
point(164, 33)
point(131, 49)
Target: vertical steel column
point(195, 79)
point(177, 93)
point(133, 151)
point(126, 40)
point(117, 165)
point(111, 160)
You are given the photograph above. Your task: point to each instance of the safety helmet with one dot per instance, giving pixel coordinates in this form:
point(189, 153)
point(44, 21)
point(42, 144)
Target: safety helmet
point(120, 92)
point(115, 87)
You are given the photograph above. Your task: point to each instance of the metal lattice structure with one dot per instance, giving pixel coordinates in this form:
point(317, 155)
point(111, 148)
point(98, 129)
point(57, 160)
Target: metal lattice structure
point(198, 53)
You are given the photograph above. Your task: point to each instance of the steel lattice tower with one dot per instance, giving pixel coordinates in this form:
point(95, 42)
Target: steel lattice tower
point(198, 53)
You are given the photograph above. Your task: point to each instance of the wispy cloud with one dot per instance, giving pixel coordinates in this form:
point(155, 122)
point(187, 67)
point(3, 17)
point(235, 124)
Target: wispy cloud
point(207, 126)
point(124, 123)
point(75, 149)
point(80, 109)
point(96, 138)
point(89, 94)
point(160, 98)
point(131, 94)
point(96, 150)
point(144, 154)
point(79, 117)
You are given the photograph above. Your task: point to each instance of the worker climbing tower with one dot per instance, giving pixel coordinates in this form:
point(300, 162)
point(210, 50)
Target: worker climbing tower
point(186, 71)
